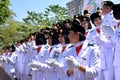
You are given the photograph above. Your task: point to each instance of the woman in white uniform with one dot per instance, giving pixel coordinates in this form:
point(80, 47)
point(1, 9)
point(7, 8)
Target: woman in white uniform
point(116, 38)
point(85, 64)
point(39, 58)
point(106, 47)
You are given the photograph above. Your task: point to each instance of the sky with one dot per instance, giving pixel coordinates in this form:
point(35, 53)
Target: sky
point(20, 7)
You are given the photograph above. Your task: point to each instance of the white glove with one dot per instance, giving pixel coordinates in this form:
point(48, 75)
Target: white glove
point(4, 58)
point(107, 30)
point(1, 59)
point(35, 64)
point(35, 69)
point(10, 60)
point(57, 65)
point(72, 62)
point(12, 70)
point(97, 39)
point(50, 62)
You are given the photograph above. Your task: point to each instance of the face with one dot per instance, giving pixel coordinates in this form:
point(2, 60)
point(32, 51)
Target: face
point(3, 50)
point(67, 25)
point(6, 50)
point(50, 40)
point(72, 36)
point(61, 39)
point(106, 9)
point(32, 38)
point(87, 15)
point(84, 24)
point(100, 11)
point(98, 21)
point(10, 50)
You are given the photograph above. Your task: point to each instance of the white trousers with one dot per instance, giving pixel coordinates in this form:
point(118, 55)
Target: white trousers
point(117, 73)
point(106, 74)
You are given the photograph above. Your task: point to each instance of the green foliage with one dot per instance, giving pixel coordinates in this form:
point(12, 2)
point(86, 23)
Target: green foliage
point(52, 14)
point(12, 31)
point(5, 12)
point(58, 13)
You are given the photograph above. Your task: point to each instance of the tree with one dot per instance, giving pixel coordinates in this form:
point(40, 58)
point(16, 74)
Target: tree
point(5, 12)
point(8, 33)
point(56, 13)
point(52, 14)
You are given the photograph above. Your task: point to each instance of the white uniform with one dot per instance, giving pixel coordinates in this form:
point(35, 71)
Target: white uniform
point(108, 19)
point(52, 73)
point(17, 67)
point(89, 57)
point(39, 73)
point(56, 54)
point(31, 54)
point(69, 51)
point(25, 61)
point(11, 60)
point(22, 62)
point(106, 47)
point(2, 61)
point(93, 33)
point(116, 38)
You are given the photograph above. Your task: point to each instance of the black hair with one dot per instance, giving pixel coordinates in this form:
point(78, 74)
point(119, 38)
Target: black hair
point(89, 25)
point(54, 36)
point(66, 39)
point(81, 37)
point(116, 11)
point(13, 48)
point(40, 39)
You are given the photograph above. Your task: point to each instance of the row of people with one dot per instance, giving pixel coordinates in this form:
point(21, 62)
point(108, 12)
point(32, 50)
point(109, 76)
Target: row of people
point(71, 50)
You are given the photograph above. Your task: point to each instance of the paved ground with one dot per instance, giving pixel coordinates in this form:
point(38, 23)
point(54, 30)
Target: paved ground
point(3, 74)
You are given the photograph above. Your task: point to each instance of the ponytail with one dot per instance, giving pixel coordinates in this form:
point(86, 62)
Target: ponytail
point(116, 11)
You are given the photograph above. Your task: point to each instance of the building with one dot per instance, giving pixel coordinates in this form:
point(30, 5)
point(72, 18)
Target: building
point(74, 7)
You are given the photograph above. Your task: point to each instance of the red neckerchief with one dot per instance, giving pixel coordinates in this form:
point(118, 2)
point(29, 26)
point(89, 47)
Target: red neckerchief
point(10, 54)
point(6, 54)
point(78, 48)
point(118, 25)
point(3, 54)
point(38, 49)
point(98, 30)
point(63, 48)
point(86, 33)
point(50, 49)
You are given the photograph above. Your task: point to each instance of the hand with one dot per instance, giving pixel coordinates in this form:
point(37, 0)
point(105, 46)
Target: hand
point(35, 69)
point(97, 39)
point(69, 72)
point(72, 62)
point(35, 65)
point(107, 30)
point(58, 66)
point(50, 62)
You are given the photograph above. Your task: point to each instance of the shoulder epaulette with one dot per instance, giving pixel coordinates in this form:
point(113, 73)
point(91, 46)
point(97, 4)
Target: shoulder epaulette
point(46, 47)
point(70, 46)
point(91, 30)
point(90, 44)
point(57, 46)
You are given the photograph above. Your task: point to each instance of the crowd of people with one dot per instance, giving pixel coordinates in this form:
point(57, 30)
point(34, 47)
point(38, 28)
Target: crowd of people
point(84, 48)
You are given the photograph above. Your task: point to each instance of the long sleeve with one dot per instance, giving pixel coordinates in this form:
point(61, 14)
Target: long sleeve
point(92, 70)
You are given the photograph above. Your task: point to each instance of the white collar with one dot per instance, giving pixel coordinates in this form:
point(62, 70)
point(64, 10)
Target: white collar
point(79, 43)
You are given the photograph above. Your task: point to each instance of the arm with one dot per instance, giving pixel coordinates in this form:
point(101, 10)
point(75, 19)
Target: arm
point(92, 70)
point(89, 71)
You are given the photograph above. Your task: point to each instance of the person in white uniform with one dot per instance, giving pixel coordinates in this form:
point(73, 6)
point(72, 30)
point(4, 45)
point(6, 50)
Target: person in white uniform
point(106, 47)
point(116, 38)
point(86, 64)
point(38, 72)
point(107, 17)
point(57, 52)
